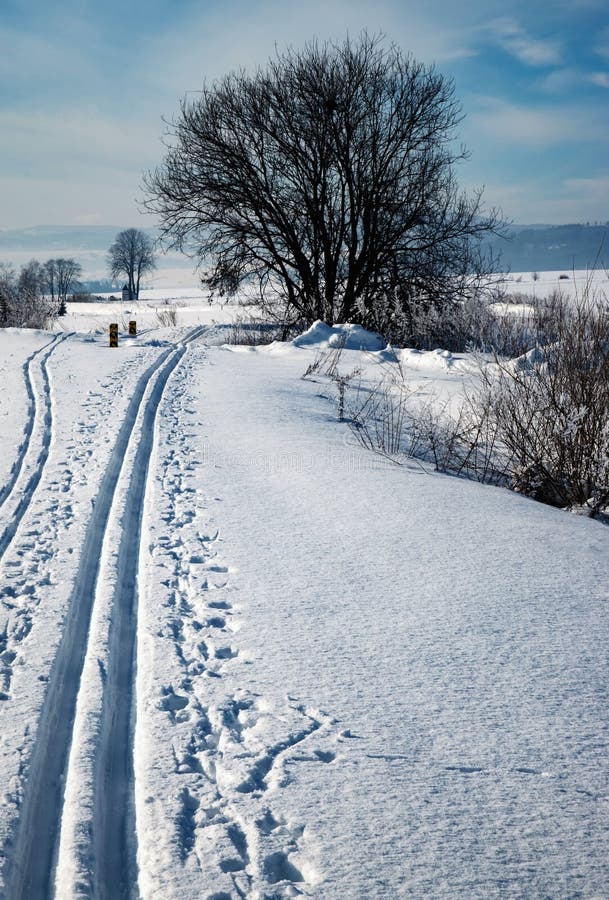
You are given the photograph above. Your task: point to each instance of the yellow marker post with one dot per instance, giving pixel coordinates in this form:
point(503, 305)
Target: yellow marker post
point(132, 327)
point(113, 334)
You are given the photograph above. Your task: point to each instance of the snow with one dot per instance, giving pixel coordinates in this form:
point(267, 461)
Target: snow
point(191, 307)
point(349, 336)
point(350, 678)
point(571, 283)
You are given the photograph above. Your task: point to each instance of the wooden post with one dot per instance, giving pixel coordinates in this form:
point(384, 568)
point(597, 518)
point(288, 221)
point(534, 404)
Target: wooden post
point(132, 327)
point(114, 334)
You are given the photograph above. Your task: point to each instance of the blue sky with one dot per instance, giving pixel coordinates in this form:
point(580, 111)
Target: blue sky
point(83, 87)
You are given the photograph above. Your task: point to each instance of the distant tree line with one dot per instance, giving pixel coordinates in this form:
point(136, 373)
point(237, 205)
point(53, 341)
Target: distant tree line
point(38, 293)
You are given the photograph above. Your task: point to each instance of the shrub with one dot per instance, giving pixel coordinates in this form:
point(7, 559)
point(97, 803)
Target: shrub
point(550, 410)
point(538, 424)
point(167, 316)
point(254, 331)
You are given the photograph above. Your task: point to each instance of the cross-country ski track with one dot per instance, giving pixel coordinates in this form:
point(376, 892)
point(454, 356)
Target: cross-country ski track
point(32, 455)
point(35, 850)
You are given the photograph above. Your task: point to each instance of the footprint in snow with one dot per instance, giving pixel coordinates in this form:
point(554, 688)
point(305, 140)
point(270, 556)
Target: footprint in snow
point(172, 702)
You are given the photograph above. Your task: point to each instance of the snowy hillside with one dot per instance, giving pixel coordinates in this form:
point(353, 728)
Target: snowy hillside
point(241, 656)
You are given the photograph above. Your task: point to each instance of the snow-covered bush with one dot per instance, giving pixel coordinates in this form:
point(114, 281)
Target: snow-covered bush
point(167, 315)
point(23, 302)
point(254, 330)
point(540, 422)
point(550, 410)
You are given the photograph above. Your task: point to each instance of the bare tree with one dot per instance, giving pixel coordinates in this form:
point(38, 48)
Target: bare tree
point(131, 254)
point(50, 268)
point(328, 180)
point(69, 273)
point(32, 281)
point(62, 277)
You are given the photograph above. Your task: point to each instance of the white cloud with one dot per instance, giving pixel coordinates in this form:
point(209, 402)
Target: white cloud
point(600, 78)
point(43, 200)
point(516, 41)
point(560, 80)
point(602, 45)
point(590, 188)
point(538, 127)
point(87, 218)
point(70, 139)
point(72, 164)
point(245, 35)
point(570, 200)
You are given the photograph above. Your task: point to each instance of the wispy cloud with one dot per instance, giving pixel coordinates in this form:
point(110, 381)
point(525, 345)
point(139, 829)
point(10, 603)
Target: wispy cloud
point(78, 138)
point(560, 81)
point(245, 35)
point(590, 188)
point(520, 44)
point(569, 200)
point(84, 86)
point(602, 44)
point(538, 127)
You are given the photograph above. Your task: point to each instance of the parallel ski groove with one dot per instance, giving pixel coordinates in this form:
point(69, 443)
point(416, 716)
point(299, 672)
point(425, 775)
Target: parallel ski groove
point(35, 412)
point(37, 834)
point(6, 489)
point(115, 866)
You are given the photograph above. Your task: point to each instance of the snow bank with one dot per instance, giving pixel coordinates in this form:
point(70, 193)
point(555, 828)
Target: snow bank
point(426, 359)
point(349, 336)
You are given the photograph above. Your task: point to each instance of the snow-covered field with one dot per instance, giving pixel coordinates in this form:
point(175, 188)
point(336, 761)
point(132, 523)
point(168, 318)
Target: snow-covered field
point(240, 656)
point(571, 283)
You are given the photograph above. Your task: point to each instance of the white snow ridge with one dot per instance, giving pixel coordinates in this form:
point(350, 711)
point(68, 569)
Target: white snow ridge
point(242, 656)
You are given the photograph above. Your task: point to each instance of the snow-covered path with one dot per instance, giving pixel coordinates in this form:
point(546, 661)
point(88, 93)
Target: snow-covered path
point(245, 658)
point(33, 452)
point(36, 835)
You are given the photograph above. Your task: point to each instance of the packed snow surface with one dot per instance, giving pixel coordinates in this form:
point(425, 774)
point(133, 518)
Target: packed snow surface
point(241, 656)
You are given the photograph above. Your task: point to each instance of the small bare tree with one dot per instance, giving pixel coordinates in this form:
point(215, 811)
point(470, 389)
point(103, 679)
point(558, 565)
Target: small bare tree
point(69, 273)
point(62, 277)
point(131, 254)
point(50, 268)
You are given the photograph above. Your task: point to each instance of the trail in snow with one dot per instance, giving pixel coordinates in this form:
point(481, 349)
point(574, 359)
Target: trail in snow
point(36, 838)
point(29, 425)
point(16, 495)
point(115, 870)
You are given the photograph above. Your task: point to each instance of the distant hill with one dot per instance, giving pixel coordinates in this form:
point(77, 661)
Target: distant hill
point(547, 248)
point(528, 248)
point(62, 237)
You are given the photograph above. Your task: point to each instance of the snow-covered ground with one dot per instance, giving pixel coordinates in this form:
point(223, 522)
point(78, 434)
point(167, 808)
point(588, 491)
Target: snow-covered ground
point(571, 283)
point(156, 308)
point(243, 657)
